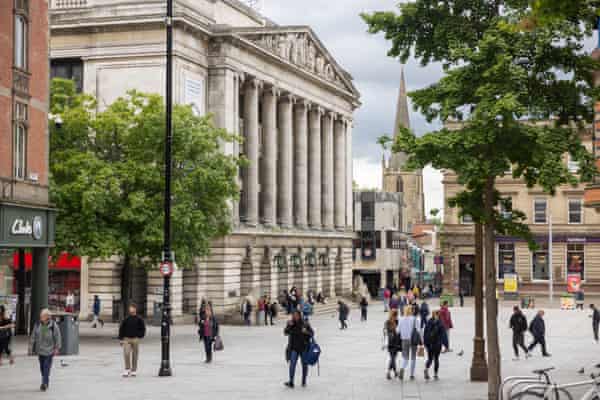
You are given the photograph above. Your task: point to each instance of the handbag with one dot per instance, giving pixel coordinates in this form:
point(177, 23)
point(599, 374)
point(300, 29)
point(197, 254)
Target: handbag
point(218, 344)
point(415, 337)
point(420, 351)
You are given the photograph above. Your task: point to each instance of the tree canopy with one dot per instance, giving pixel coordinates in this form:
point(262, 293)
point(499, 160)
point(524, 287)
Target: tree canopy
point(107, 177)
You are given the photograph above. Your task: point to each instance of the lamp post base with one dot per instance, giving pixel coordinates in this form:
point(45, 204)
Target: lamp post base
point(479, 369)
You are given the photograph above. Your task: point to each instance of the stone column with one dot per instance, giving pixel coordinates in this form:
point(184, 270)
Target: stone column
point(39, 283)
point(339, 180)
point(349, 177)
point(269, 159)
point(285, 171)
point(327, 171)
point(251, 133)
point(314, 168)
point(301, 164)
point(84, 294)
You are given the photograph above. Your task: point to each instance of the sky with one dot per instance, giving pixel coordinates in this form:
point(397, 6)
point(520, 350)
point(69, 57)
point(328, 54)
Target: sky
point(338, 24)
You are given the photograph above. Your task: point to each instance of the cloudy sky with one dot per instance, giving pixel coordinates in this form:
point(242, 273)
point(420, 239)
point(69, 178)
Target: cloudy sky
point(377, 77)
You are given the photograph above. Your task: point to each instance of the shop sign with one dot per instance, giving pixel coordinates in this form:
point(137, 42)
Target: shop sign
point(511, 283)
point(573, 283)
point(22, 226)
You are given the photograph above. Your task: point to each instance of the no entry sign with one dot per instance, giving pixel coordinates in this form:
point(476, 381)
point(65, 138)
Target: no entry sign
point(166, 268)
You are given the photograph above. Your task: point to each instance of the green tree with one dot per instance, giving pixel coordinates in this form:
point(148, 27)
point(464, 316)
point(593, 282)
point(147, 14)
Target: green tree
point(517, 98)
point(107, 179)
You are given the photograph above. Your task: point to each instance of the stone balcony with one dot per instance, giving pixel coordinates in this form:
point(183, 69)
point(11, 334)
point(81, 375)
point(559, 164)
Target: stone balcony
point(68, 4)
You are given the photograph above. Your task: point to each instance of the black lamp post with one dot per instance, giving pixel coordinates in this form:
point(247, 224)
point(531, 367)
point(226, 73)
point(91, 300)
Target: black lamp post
point(165, 331)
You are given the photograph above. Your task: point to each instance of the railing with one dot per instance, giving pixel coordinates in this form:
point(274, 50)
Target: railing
point(21, 82)
point(62, 4)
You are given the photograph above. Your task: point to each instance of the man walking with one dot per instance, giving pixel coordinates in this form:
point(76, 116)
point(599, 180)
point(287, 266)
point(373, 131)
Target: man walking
point(538, 330)
point(45, 342)
point(343, 312)
point(364, 306)
point(132, 329)
point(96, 308)
point(518, 324)
point(595, 321)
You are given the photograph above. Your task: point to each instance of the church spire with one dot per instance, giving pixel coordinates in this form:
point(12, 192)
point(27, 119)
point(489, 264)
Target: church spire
point(402, 120)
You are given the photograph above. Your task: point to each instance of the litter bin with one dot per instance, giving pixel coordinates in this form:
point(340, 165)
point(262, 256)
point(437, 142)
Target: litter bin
point(69, 332)
point(447, 297)
point(157, 314)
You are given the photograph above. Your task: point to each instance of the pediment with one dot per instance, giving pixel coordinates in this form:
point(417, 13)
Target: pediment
point(301, 48)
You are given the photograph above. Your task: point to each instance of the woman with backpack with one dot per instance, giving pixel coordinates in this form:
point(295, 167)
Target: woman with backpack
point(408, 328)
point(394, 342)
point(300, 334)
point(6, 327)
point(433, 339)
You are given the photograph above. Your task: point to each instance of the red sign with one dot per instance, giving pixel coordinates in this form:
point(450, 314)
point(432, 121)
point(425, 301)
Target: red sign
point(166, 268)
point(573, 283)
point(64, 261)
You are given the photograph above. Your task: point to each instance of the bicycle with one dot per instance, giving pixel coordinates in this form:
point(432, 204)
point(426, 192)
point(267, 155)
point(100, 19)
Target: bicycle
point(548, 390)
point(540, 383)
point(593, 393)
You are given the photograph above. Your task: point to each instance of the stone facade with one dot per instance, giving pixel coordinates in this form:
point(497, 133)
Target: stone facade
point(276, 86)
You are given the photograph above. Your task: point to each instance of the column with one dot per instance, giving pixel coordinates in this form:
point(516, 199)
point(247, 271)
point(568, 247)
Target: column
point(269, 159)
point(327, 171)
point(314, 167)
point(349, 177)
point(301, 164)
point(340, 174)
point(251, 143)
point(39, 283)
point(285, 171)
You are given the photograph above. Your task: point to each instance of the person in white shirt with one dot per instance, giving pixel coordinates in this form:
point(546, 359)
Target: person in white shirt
point(408, 329)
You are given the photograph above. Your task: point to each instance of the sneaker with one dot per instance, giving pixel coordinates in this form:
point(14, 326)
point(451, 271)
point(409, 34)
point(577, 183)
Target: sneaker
point(436, 377)
point(43, 387)
point(401, 374)
point(289, 384)
point(516, 358)
point(389, 375)
point(125, 374)
point(133, 374)
point(303, 384)
point(412, 377)
point(547, 355)
point(427, 377)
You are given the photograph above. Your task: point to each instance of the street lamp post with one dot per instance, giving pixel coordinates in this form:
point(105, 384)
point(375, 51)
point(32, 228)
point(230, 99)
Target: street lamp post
point(167, 258)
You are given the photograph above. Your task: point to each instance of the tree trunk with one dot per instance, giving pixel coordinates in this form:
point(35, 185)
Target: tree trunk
point(479, 370)
point(494, 365)
point(125, 285)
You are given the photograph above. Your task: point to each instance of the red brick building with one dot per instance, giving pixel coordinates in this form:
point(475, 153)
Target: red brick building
point(26, 218)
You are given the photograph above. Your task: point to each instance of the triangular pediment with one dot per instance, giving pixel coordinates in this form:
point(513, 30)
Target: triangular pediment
point(300, 47)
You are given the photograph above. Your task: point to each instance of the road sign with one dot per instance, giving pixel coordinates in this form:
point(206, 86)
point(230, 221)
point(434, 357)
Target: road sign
point(166, 268)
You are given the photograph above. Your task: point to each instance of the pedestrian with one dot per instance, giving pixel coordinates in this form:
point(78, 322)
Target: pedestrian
point(307, 310)
point(537, 327)
point(394, 302)
point(208, 330)
point(274, 311)
point(267, 310)
point(6, 327)
point(411, 340)
point(364, 305)
point(70, 303)
point(595, 321)
point(299, 334)
point(260, 311)
point(579, 299)
point(387, 294)
point(461, 297)
point(46, 343)
point(131, 330)
point(518, 324)
point(246, 311)
point(96, 308)
point(433, 338)
point(446, 319)
point(343, 314)
point(424, 313)
point(394, 342)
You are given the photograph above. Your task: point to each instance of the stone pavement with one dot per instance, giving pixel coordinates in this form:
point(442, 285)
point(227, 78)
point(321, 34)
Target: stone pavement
point(252, 365)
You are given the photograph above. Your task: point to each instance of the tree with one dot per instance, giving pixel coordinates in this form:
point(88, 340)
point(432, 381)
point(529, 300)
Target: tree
point(107, 179)
point(517, 99)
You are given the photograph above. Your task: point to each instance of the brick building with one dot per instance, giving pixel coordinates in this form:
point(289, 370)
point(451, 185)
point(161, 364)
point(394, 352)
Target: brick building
point(26, 219)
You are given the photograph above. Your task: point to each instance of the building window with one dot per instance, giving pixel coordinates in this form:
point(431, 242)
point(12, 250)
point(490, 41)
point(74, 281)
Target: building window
point(393, 240)
point(368, 245)
point(399, 185)
point(505, 208)
point(576, 259)
point(466, 219)
point(575, 211)
point(20, 42)
point(20, 140)
point(68, 68)
point(506, 259)
point(378, 239)
point(540, 208)
point(572, 165)
point(540, 264)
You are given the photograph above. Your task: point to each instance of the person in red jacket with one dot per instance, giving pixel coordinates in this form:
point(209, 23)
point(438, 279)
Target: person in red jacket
point(387, 294)
point(446, 319)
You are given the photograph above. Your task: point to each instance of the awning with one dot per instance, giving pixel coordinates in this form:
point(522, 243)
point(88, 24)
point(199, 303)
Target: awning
point(64, 262)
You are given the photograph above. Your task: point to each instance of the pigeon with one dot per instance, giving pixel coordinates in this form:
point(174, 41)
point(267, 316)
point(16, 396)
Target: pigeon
point(460, 353)
point(581, 371)
point(63, 363)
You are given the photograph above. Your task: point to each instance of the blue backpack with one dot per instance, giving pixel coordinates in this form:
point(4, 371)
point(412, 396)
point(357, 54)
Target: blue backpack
point(312, 354)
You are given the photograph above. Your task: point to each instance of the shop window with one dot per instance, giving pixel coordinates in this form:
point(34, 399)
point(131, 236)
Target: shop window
point(540, 211)
point(540, 270)
point(506, 259)
point(576, 259)
point(575, 212)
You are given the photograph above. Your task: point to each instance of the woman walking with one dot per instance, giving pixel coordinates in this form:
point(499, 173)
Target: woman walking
point(433, 339)
point(300, 334)
point(394, 342)
point(6, 327)
point(408, 327)
point(208, 331)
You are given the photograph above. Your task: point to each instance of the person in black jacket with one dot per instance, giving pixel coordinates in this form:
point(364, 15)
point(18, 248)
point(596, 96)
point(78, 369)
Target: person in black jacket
point(208, 330)
point(433, 337)
point(538, 330)
point(299, 333)
point(518, 324)
point(364, 306)
point(394, 342)
point(595, 321)
point(132, 329)
point(343, 312)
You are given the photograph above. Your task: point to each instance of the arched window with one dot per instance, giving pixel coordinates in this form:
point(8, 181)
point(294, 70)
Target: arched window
point(20, 42)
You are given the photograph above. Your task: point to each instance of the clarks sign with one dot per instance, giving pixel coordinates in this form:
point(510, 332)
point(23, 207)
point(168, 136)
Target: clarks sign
point(22, 226)
point(27, 227)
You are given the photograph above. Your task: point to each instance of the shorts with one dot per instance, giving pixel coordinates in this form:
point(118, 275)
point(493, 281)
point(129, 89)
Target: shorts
point(5, 346)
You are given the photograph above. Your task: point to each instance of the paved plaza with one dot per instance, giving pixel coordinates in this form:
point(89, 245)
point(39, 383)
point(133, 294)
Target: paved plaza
point(252, 365)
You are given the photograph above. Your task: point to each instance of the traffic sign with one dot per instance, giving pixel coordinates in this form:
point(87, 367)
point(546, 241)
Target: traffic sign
point(166, 268)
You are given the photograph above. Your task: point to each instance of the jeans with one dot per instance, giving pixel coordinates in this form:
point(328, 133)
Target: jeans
point(208, 348)
point(386, 305)
point(423, 321)
point(541, 341)
point(343, 324)
point(363, 314)
point(446, 340)
point(518, 341)
point(433, 356)
point(595, 327)
point(409, 353)
point(294, 356)
point(393, 354)
point(45, 366)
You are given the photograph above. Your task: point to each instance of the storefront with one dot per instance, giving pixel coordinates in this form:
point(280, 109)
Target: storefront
point(25, 228)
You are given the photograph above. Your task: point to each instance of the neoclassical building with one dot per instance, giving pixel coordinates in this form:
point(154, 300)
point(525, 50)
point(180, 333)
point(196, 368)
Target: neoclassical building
point(279, 88)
